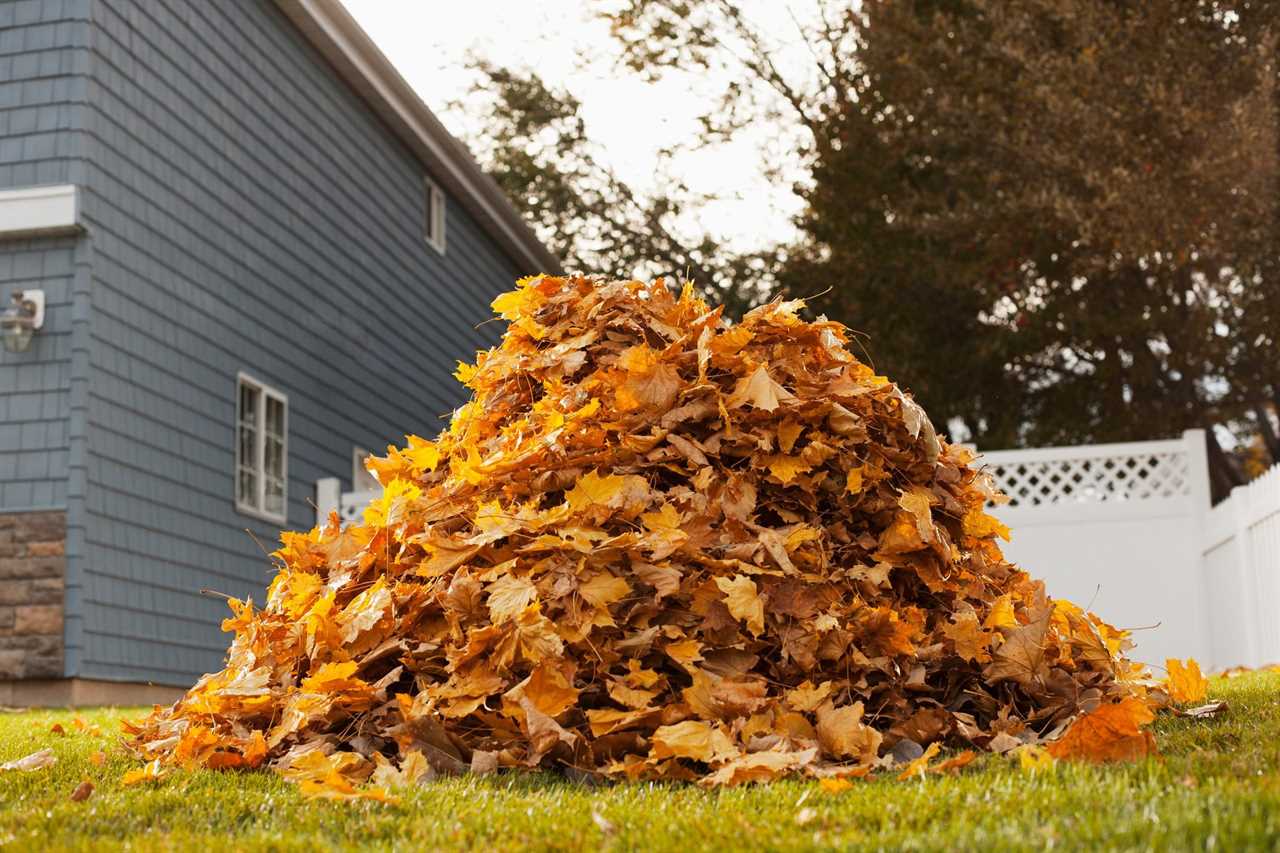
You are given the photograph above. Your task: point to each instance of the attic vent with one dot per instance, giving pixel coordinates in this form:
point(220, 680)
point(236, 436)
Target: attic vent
point(435, 207)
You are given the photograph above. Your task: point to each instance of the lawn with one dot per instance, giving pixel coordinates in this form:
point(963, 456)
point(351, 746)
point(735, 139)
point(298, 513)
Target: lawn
point(1217, 785)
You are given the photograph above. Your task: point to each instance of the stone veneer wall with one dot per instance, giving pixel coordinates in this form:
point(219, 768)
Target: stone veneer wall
point(33, 566)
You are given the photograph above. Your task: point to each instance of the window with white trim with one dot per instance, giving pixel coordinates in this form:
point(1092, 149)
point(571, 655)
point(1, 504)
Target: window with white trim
point(433, 227)
point(262, 449)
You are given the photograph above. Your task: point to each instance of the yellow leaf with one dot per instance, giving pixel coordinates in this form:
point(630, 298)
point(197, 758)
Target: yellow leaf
point(1001, 615)
point(918, 766)
point(665, 533)
point(649, 382)
point(760, 391)
point(853, 481)
point(388, 508)
point(835, 786)
point(696, 739)
point(807, 697)
point(594, 490)
point(785, 468)
point(968, 638)
point(509, 595)
point(918, 501)
point(365, 612)
point(1185, 683)
point(788, 433)
point(549, 689)
point(149, 772)
point(843, 734)
point(604, 589)
point(1033, 759)
point(731, 340)
point(422, 455)
point(743, 600)
point(686, 652)
point(979, 525)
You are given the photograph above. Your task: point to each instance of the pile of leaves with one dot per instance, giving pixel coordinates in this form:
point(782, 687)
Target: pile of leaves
point(654, 545)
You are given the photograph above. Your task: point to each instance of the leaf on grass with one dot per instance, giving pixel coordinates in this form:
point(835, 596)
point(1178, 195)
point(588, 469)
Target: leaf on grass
point(35, 761)
point(152, 771)
point(1185, 683)
point(82, 792)
point(918, 766)
point(1111, 732)
point(764, 766)
point(1202, 712)
point(1033, 758)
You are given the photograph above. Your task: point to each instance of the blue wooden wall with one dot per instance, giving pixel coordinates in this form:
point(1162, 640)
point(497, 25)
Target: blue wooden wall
point(43, 59)
point(246, 212)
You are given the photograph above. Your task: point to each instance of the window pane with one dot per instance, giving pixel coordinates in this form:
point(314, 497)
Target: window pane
point(274, 457)
point(248, 453)
point(275, 496)
point(275, 417)
point(248, 404)
point(247, 487)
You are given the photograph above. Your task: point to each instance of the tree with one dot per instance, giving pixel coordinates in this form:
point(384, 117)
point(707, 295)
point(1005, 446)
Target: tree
point(535, 144)
point(1056, 221)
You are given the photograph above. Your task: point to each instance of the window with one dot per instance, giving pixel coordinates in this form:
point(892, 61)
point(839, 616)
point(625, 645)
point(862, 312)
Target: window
point(434, 226)
point(361, 479)
point(262, 455)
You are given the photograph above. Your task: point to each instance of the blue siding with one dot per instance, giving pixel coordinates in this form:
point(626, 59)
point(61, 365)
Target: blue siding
point(247, 212)
point(43, 61)
point(43, 57)
point(35, 401)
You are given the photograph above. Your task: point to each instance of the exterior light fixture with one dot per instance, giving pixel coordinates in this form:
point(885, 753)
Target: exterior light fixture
point(21, 320)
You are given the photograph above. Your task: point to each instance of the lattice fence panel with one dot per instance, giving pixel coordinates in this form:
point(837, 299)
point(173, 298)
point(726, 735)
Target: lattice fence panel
point(353, 504)
point(1100, 479)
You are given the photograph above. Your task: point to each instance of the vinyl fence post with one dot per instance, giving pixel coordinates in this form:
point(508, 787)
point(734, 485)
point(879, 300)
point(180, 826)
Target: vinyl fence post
point(1241, 516)
point(1201, 502)
point(328, 497)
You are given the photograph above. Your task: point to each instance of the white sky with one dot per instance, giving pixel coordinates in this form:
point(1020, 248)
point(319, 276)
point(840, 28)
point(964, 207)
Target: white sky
point(428, 42)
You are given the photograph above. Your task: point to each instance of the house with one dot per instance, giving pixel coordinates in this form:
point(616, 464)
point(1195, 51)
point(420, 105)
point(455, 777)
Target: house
point(254, 254)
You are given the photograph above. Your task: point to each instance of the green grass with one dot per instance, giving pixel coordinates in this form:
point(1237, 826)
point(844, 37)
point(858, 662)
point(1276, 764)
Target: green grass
point(1216, 786)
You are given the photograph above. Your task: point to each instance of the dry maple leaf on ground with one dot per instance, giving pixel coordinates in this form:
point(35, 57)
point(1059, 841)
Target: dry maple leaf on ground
point(654, 545)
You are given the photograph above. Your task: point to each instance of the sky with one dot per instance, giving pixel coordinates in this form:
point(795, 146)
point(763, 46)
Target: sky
point(428, 42)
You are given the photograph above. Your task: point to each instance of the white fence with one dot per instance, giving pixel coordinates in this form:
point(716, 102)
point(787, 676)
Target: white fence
point(1127, 531)
point(1242, 573)
point(329, 497)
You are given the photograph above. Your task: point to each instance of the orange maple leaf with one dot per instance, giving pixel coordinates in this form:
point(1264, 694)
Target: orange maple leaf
point(1111, 732)
point(1185, 683)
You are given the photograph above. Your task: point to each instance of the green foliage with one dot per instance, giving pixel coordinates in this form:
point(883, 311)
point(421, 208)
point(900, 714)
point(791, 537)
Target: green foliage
point(1218, 784)
point(1082, 198)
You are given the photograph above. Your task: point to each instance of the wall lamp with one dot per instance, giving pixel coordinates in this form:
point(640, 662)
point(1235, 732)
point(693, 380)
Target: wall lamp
point(21, 320)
